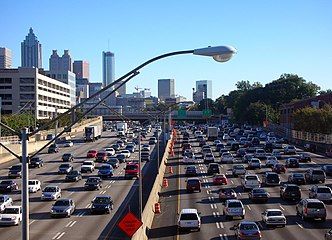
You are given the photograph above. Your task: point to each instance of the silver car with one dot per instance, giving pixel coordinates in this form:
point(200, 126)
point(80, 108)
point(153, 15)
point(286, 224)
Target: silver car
point(322, 193)
point(63, 207)
point(311, 208)
point(51, 193)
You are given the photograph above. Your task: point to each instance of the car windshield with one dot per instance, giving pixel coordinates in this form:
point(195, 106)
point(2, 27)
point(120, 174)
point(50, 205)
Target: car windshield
point(32, 182)
point(131, 167)
point(93, 180)
point(102, 200)
point(318, 172)
point(105, 167)
point(323, 190)
point(64, 166)
point(273, 176)
point(238, 167)
point(274, 213)
point(35, 159)
point(192, 182)
point(251, 178)
point(73, 173)
point(50, 189)
point(62, 203)
point(66, 155)
point(11, 211)
point(293, 188)
point(258, 190)
point(298, 175)
point(188, 216)
point(248, 226)
point(16, 167)
point(87, 163)
point(6, 182)
point(317, 205)
point(235, 205)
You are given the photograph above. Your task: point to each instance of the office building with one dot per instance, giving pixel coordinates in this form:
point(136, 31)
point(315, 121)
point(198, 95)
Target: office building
point(5, 57)
point(31, 51)
point(61, 64)
point(203, 90)
point(81, 69)
point(122, 89)
point(27, 90)
point(94, 87)
point(166, 89)
point(108, 68)
point(82, 89)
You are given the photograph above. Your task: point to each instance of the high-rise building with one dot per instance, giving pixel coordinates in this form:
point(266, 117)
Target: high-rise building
point(122, 89)
point(108, 68)
point(31, 51)
point(94, 87)
point(166, 89)
point(5, 57)
point(203, 90)
point(81, 69)
point(61, 64)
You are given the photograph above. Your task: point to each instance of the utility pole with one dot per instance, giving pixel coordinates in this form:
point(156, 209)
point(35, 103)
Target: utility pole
point(25, 192)
point(0, 125)
point(56, 122)
point(140, 190)
point(158, 155)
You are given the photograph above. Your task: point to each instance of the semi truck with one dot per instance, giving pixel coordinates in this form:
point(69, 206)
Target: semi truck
point(122, 128)
point(212, 133)
point(92, 133)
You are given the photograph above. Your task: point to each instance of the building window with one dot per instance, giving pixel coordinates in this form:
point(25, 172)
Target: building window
point(27, 80)
point(5, 80)
point(59, 76)
point(6, 103)
point(27, 88)
point(27, 96)
point(6, 96)
point(5, 87)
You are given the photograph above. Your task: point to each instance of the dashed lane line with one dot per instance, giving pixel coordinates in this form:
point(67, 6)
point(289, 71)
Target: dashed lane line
point(72, 224)
point(299, 225)
point(281, 207)
point(31, 222)
point(249, 207)
point(63, 233)
point(217, 224)
point(56, 235)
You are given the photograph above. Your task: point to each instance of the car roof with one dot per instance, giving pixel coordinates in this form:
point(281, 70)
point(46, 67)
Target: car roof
point(273, 209)
point(247, 222)
point(13, 206)
point(233, 200)
point(193, 178)
point(51, 186)
point(188, 210)
point(312, 200)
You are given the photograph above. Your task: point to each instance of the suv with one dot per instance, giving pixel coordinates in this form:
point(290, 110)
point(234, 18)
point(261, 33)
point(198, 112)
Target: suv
point(36, 162)
point(145, 156)
point(322, 193)
point(63, 207)
point(68, 157)
point(15, 171)
point(193, 184)
point(290, 192)
point(233, 208)
point(250, 181)
point(53, 148)
point(213, 168)
point(131, 170)
point(271, 179)
point(189, 219)
point(102, 203)
point(292, 162)
point(315, 175)
point(311, 208)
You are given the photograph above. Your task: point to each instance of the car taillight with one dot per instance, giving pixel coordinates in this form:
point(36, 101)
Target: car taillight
point(305, 210)
point(258, 234)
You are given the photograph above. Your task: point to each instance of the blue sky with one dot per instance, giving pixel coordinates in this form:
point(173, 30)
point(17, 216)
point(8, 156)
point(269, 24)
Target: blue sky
point(272, 38)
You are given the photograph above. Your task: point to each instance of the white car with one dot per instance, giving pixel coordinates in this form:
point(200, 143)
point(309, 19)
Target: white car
point(254, 163)
point(238, 169)
point(126, 153)
point(189, 158)
point(227, 157)
point(109, 151)
point(12, 215)
point(234, 208)
point(260, 153)
point(271, 161)
point(322, 193)
point(250, 181)
point(34, 185)
point(88, 166)
point(274, 217)
point(225, 137)
point(197, 133)
point(189, 219)
point(51, 192)
point(68, 144)
point(5, 201)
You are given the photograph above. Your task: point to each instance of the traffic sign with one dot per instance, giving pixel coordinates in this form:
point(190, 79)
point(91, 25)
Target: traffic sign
point(182, 112)
point(129, 224)
point(207, 112)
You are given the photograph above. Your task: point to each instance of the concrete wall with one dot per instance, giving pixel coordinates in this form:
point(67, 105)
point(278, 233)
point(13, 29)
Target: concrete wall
point(148, 212)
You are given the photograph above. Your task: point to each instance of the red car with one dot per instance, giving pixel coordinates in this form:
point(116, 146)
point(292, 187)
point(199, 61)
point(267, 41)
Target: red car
point(220, 179)
point(91, 154)
point(279, 168)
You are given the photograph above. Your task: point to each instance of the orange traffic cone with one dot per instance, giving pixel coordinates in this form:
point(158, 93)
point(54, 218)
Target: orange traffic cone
point(157, 208)
point(165, 183)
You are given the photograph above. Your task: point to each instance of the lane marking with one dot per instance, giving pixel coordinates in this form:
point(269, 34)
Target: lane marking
point(249, 207)
point(313, 162)
point(207, 191)
point(218, 214)
point(211, 205)
point(210, 199)
point(299, 225)
point(72, 224)
point(221, 225)
point(60, 235)
point(232, 181)
point(214, 214)
point(69, 223)
point(282, 207)
point(31, 222)
point(56, 235)
point(87, 206)
point(215, 206)
point(240, 193)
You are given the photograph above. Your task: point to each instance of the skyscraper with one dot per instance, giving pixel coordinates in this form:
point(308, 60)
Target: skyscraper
point(108, 68)
point(61, 64)
point(166, 89)
point(5, 58)
point(31, 51)
point(81, 69)
point(204, 86)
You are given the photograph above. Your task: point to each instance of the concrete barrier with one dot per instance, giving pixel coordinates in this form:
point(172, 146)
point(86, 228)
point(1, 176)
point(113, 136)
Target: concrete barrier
point(148, 212)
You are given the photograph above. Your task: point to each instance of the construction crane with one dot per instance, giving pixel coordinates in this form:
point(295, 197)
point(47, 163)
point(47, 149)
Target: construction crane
point(138, 88)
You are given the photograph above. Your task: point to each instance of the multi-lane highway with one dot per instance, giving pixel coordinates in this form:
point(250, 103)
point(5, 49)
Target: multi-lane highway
point(82, 224)
point(214, 224)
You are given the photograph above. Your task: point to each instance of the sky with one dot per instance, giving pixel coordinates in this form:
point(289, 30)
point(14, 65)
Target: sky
point(271, 37)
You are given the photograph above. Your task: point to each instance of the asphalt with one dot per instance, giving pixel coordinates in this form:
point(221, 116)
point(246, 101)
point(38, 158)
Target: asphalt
point(214, 224)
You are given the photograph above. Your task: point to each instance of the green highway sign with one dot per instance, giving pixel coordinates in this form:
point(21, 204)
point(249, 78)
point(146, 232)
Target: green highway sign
point(182, 113)
point(207, 112)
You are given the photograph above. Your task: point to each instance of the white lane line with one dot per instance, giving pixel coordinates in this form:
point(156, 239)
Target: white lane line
point(72, 224)
point(222, 166)
point(313, 162)
point(207, 191)
point(249, 207)
point(71, 193)
point(221, 225)
point(217, 214)
point(218, 226)
point(208, 186)
point(109, 186)
point(69, 223)
point(31, 222)
point(56, 235)
point(60, 235)
point(210, 199)
point(260, 225)
point(215, 206)
point(225, 236)
point(281, 207)
point(87, 206)
point(299, 225)
point(214, 214)
point(211, 205)
point(240, 193)
point(232, 181)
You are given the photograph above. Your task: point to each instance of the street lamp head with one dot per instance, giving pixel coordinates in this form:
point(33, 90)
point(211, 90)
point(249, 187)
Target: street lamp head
point(219, 53)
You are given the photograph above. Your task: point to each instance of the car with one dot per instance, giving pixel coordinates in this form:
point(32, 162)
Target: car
point(93, 183)
point(241, 152)
point(105, 171)
point(247, 157)
point(309, 208)
point(279, 168)
point(247, 230)
point(276, 153)
point(313, 175)
point(34, 185)
point(233, 208)
point(238, 169)
point(68, 143)
point(226, 193)
point(102, 204)
point(5, 201)
point(130, 148)
point(120, 143)
point(274, 217)
point(114, 162)
point(304, 157)
point(152, 140)
point(63, 207)
point(11, 215)
point(322, 193)
point(126, 153)
point(65, 168)
point(7, 186)
point(209, 158)
point(260, 153)
point(219, 146)
point(271, 179)
point(116, 146)
point(219, 179)
point(15, 171)
point(250, 181)
point(121, 157)
point(259, 194)
point(189, 219)
point(91, 154)
point(145, 147)
point(290, 192)
point(189, 158)
point(88, 166)
point(292, 162)
point(213, 168)
point(254, 163)
point(36, 162)
point(328, 235)
point(101, 156)
point(309, 147)
point(191, 171)
point(255, 141)
point(53, 148)
point(67, 157)
point(132, 170)
point(227, 157)
point(235, 146)
point(51, 192)
point(109, 151)
point(271, 161)
point(296, 178)
point(193, 184)
point(290, 149)
point(73, 176)
point(327, 169)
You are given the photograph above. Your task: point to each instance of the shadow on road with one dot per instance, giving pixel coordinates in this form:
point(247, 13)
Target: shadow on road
point(160, 232)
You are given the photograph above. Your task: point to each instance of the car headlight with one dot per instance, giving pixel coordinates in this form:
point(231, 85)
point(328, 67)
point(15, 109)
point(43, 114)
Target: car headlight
point(68, 210)
point(14, 217)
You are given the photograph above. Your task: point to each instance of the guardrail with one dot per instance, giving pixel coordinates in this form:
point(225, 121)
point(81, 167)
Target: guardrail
point(312, 137)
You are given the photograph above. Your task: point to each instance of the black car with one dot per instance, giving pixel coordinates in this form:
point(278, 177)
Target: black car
point(121, 157)
point(304, 157)
point(7, 186)
point(68, 157)
point(145, 156)
point(327, 169)
point(296, 178)
point(102, 204)
point(292, 162)
point(271, 179)
point(268, 147)
point(191, 171)
point(93, 183)
point(290, 192)
point(74, 176)
point(53, 148)
point(15, 171)
point(36, 162)
point(213, 168)
point(116, 147)
point(259, 194)
point(114, 162)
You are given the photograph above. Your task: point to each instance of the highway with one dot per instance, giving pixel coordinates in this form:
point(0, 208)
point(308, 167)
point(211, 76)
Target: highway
point(214, 225)
point(81, 225)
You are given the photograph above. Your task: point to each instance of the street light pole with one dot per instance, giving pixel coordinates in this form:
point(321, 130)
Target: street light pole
point(25, 193)
point(140, 189)
point(158, 154)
